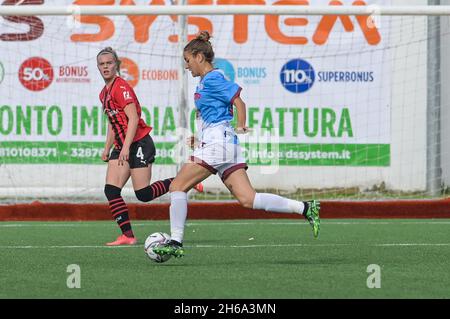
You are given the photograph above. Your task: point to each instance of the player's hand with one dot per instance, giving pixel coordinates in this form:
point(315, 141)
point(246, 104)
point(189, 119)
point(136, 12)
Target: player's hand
point(105, 155)
point(192, 142)
point(124, 156)
point(242, 130)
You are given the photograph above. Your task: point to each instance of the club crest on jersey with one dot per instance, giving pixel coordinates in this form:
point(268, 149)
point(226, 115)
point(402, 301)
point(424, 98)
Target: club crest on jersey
point(197, 96)
point(111, 112)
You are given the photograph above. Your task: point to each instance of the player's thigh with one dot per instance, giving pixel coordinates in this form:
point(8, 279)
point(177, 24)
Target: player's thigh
point(116, 174)
point(189, 175)
point(239, 185)
point(140, 177)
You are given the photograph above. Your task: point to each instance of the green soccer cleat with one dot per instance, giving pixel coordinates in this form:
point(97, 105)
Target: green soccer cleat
point(312, 215)
point(173, 248)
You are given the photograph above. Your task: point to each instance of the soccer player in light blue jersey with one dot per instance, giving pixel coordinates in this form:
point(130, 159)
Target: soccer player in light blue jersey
point(218, 149)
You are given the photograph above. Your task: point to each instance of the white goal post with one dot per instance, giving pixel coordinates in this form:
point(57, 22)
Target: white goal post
point(407, 10)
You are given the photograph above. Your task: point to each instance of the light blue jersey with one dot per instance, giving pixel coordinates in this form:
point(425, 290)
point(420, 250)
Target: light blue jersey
point(218, 148)
point(214, 98)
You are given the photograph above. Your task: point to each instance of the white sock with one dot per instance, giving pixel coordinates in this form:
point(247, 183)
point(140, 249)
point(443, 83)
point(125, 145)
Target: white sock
point(178, 215)
point(278, 204)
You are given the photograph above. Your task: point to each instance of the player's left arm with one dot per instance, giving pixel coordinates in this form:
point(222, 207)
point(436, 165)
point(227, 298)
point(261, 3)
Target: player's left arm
point(241, 116)
point(133, 120)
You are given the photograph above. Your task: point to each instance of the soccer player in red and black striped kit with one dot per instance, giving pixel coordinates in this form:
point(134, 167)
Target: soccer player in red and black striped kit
point(134, 150)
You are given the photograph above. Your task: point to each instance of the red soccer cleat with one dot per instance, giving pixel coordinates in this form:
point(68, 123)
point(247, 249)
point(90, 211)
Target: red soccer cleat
point(123, 240)
point(199, 187)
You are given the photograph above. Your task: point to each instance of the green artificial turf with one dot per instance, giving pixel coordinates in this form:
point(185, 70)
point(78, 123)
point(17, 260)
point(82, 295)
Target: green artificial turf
point(230, 259)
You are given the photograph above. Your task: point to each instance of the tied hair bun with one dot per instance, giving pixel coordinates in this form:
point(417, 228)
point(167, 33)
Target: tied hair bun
point(204, 36)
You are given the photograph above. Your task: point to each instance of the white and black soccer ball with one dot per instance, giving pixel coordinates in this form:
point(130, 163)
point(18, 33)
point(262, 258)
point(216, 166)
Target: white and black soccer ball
point(153, 241)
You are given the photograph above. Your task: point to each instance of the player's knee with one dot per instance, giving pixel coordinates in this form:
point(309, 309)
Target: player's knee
point(175, 187)
point(144, 194)
point(246, 202)
point(112, 192)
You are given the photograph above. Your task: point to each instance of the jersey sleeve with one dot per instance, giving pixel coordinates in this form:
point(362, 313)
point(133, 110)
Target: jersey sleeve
point(101, 96)
point(122, 95)
point(223, 89)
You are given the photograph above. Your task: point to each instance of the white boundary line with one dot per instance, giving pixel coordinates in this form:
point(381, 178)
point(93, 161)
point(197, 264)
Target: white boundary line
point(235, 246)
point(215, 223)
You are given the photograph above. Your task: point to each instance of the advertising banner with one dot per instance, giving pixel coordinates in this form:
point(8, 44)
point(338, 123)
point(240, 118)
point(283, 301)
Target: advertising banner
point(318, 85)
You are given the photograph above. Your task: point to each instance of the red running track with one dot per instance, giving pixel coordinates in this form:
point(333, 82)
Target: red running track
point(37, 211)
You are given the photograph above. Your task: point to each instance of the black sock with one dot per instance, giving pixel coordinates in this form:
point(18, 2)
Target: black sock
point(119, 211)
point(154, 190)
point(305, 209)
point(174, 242)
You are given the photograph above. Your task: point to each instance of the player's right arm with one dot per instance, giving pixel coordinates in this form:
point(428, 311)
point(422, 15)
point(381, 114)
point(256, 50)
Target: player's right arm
point(109, 142)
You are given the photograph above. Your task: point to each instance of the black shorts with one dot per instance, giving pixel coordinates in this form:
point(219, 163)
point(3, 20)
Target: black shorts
point(142, 153)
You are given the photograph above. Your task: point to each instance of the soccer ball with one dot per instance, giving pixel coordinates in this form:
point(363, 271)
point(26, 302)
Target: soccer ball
point(153, 241)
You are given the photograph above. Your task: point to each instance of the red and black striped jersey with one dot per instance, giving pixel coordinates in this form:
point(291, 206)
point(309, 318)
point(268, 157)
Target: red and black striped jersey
point(114, 100)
